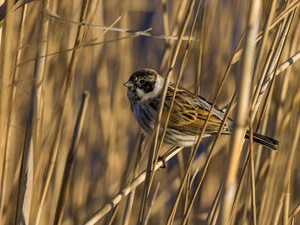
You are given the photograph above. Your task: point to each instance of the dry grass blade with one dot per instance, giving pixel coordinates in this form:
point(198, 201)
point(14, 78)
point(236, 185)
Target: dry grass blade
point(209, 157)
point(275, 62)
point(37, 98)
point(263, 42)
point(289, 169)
point(115, 200)
point(62, 111)
point(134, 32)
point(6, 70)
point(130, 199)
point(243, 97)
point(206, 165)
point(155, 148)
point(287, 63)
point(22, 208)
point(294, 212)
point(252, 177)
point(71, 158)
point(23, 182)
point(151, 204)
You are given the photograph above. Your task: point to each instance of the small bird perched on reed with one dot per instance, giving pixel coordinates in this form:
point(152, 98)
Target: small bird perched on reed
point(188, 113)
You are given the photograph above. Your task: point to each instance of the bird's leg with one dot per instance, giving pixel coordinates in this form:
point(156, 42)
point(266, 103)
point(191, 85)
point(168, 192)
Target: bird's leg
point(163, 160)
point(165, 155)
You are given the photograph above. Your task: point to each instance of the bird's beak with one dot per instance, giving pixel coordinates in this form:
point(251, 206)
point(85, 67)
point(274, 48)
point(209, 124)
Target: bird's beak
point(128, 84)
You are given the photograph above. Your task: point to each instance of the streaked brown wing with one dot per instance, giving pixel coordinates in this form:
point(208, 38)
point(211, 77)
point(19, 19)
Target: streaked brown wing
point(196, 127)
point(187, 115)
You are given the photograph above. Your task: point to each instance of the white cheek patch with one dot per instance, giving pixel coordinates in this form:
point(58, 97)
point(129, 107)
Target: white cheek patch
point(159, 84)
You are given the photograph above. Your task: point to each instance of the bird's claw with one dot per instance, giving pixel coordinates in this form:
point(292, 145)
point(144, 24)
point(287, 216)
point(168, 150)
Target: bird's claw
point(163, 160)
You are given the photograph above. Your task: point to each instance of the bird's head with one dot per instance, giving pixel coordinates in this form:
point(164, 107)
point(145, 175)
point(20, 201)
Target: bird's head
point(144, 85)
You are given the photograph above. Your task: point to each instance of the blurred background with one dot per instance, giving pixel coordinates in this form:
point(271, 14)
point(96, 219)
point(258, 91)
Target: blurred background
point(53, 51)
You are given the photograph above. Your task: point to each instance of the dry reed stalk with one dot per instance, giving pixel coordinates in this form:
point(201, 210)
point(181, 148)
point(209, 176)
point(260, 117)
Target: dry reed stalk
point(22, 208)
point(62, 111)
point(37, 109)
point(155, 147)
point(209, 157)
point(174, 31)
point(243, 97)
point(130, 200)
point(6, 70)
point(71, 159)
point(115, 200)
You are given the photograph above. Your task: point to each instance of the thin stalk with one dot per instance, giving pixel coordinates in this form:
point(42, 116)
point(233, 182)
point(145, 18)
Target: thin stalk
point(131, 196)
point(207, 162)
point(62, 112)
point(262, 44)
point(128, 189)
point(153, 153)
point(68, 171)
point(22, 211)
point(252, 175)
point(151, 204)
point(6, 73)
point(243, 98)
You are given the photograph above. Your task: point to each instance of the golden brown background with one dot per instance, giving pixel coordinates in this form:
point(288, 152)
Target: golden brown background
point(52, 51)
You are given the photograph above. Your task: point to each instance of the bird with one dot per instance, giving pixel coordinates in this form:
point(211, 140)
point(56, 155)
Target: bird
point(188, 113)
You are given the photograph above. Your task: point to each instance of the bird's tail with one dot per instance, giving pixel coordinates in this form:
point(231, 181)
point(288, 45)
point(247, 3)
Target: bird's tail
point(268, 142)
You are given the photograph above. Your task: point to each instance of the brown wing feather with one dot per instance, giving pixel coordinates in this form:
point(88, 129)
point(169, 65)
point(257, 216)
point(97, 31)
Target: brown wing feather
point(186, 115)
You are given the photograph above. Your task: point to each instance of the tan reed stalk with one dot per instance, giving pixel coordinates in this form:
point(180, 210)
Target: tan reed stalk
point(253, 210)
point(289, 8)
point(243, 94)
point(180, 190)
point(260, 89)
point(252, 175)
point(37, 106)
point(262, 44)
point(262, 169)
point(54, 150)
point(241, 182)
point(115, 200)
point(124, 183)
point(202, 16)
point(173, 31)
point(154, 150)
point(165, 17)
point(71, 159)
point(215, 208)
point(152, 201)
point(116, 99)
point(266, 111)
point(15, 76)
point(22, 188)
point(6, 70)
point(181, 70)
point(209, 157)
point(291, 158)
point(288, 172)
point(286, 205)
point(130, 199)
point(294, 212)
point(208, 160)
point(268, 207)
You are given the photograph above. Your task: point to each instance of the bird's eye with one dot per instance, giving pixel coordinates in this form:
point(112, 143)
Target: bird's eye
point(142, 81)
